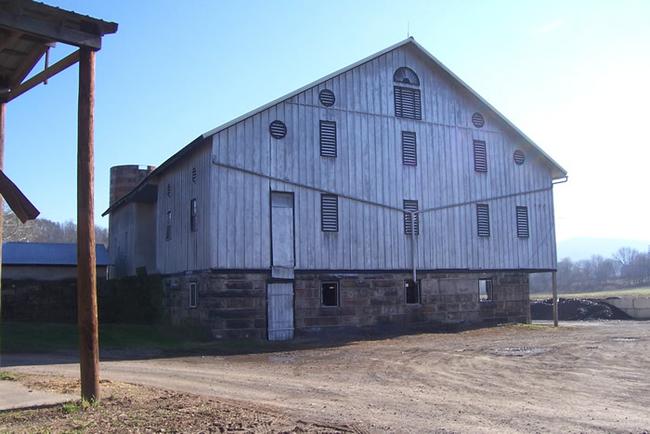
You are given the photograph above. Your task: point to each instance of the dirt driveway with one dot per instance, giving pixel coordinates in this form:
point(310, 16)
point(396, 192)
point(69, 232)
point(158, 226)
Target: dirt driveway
point(591, 376)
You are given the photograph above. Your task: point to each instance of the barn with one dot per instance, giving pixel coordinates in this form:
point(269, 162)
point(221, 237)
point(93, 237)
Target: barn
point(387, 193)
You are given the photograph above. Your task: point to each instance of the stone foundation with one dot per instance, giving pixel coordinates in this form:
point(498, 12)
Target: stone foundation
point(234, 305)
point(230, 305)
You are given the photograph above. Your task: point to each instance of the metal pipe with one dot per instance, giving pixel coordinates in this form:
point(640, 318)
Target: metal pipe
point(413, 247)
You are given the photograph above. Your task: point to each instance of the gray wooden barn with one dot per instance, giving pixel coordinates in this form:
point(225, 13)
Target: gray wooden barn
point(316, 211)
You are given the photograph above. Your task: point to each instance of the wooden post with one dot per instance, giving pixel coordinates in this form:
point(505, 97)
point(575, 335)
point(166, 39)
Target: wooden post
point(3, 113)
point(86, 278)
point(554, 278)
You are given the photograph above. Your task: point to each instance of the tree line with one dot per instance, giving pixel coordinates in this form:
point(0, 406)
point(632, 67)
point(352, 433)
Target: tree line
point(627, 268)
point(42, 230)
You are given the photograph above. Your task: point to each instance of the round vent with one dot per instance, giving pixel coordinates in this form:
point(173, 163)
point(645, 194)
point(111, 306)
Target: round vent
point(278, 129)
point(326, 97)
point(478, 120)
point(519, 156)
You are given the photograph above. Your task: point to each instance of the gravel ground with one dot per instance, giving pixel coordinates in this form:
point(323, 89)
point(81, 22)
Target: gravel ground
point(581, 377)
point(129, 408)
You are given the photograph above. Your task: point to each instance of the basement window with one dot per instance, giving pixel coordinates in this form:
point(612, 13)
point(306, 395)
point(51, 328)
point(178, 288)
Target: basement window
point(485, 292)
point(412, 291)
point(193, 215)
point(194, 294)
point(329, 294)
point(168, 228)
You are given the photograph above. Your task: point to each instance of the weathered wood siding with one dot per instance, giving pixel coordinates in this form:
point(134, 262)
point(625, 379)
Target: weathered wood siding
point(369, 166)
point(186, 250)
point(131, 243)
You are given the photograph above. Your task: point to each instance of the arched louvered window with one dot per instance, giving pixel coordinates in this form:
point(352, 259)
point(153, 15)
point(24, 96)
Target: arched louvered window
point(406, 92)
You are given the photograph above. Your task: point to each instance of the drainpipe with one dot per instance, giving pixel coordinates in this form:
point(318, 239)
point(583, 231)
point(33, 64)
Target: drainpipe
point(413, 246)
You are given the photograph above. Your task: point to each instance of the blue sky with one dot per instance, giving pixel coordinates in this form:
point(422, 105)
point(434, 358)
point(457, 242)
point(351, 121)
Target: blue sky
point(574, 76)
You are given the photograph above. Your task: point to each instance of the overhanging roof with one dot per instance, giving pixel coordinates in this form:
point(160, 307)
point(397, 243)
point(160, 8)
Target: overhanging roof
point(557, 171)
point(28, 28)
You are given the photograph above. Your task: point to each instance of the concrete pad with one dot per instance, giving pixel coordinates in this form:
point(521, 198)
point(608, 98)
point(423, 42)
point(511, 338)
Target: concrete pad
point(14, 395)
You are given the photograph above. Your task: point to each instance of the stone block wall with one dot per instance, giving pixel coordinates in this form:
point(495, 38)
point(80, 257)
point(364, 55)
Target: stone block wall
point(380, 299)
point(230, 305)
point(234, 305)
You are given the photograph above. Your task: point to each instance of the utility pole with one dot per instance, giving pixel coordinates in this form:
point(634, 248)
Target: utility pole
point(86, 277)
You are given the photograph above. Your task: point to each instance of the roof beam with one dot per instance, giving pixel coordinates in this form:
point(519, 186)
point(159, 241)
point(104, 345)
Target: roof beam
point(49, 30)
point(43, 76)
point(28, 62)
point(10, 41)
point(17, 201)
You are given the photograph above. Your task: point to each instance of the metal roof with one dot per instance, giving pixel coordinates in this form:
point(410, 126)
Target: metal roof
point(557, 171)
point(64, 254)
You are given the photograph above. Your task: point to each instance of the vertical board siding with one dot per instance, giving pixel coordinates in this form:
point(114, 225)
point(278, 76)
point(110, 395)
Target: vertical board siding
point(369, 165)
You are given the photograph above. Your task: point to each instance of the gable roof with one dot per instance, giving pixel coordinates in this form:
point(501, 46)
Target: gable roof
point(557, 171)
point(64, 254)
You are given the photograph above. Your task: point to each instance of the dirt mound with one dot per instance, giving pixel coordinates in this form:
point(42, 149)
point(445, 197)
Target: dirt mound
point(570, 309)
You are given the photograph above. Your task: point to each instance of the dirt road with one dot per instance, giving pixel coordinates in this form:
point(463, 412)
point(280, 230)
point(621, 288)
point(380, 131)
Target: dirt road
point(584, 377)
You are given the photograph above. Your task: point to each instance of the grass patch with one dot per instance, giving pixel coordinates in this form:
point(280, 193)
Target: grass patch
point(48, 337)
point(77, 406)
point(7, 376)
point(633, 292)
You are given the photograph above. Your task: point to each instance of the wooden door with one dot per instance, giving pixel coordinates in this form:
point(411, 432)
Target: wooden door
point(279, 299)
point(282, 247)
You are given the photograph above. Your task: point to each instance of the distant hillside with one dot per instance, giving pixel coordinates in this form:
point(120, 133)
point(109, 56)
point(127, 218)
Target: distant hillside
point(583, 248)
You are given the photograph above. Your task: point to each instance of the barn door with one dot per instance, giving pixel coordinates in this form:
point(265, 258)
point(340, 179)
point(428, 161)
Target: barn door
point(279, 295)
point(282, 235)
point(279, 298)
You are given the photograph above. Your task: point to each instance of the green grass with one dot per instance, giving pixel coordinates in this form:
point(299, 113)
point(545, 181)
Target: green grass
point(7, 376)
point(46, 337)
point(634, 292)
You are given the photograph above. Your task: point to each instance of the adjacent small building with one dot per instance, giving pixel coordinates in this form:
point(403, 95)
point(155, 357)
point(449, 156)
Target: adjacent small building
point(39, 281)
point(386, 193)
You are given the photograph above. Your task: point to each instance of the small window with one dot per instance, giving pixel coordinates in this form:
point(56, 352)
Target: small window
point(326, 97)
point(168, 228)
point(194, 175)
point(406, 75)
point(478, 120)
point(194, 294)
point(408, 103)
point(480, 156)
point(411, 205)
point(329, 294)
point(329, 212)
point(485, 292)
point(522, 222)
point(483, 219)
point(519, 157)
point(193, 215)
point(412, 291)
point(327, 139)
point(278, 129)
point(409, 149)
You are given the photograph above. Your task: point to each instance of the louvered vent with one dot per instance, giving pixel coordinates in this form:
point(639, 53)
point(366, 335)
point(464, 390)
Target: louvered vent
point(169, 190)
point(478, 120)
point(409, 149)
point(519, 157)
point(522, 222)
point(480, 156)
point(327, 139)
point(329, 212)
point(194, 175)
point(483, 219)
point(326, 97)
point(278, 129)
point(411, 205)
point(408, 103)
